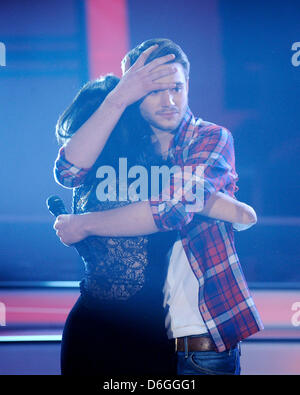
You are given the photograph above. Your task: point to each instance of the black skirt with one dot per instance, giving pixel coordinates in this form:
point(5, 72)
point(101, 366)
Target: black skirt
point(126, 338)
point(123, 337)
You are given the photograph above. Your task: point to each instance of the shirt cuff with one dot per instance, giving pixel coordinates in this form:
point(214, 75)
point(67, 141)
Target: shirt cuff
point(66, 173)
point(168, 215)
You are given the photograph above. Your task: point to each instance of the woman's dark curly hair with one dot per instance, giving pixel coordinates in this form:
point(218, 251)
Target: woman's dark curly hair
point(131, 137)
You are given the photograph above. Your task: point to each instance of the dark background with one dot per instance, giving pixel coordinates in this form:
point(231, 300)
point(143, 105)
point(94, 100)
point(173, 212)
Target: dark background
point(241, 77)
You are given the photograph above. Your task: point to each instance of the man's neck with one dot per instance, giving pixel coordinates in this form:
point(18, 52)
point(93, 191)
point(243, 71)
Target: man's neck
point(162, 141)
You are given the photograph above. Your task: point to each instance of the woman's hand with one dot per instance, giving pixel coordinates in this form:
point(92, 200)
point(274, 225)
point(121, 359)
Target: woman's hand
point(69, 228)
point(141, 79)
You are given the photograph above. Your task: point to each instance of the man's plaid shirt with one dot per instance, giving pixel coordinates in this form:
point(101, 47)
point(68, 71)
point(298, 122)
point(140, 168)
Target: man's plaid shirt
point(225, 303)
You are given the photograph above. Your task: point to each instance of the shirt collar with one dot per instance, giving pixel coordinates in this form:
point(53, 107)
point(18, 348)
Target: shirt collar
point(180, 131)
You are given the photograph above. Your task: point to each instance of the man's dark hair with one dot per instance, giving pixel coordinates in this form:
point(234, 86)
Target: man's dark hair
point(165, 47)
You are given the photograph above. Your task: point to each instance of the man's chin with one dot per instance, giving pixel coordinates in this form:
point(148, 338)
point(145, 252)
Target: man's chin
point(167, 127)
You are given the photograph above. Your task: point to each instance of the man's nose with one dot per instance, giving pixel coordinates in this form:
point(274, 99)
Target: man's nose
point(167, 98)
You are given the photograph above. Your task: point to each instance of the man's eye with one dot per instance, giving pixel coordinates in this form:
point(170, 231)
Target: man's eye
point(177, 89)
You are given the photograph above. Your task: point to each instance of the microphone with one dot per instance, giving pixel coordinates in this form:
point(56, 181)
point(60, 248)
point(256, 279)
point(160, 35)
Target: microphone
point(56, 207)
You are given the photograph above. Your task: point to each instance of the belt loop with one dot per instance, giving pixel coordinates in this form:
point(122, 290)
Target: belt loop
point(186, 350)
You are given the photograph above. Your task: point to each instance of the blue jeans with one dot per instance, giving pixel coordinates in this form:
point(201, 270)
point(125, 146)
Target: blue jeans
point(209, 362)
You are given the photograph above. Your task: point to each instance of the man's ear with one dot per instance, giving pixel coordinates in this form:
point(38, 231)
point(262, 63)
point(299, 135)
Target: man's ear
point(187, 85)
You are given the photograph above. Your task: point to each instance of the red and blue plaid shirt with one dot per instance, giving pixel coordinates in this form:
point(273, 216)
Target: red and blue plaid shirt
point(67, 174)
point(225, 303)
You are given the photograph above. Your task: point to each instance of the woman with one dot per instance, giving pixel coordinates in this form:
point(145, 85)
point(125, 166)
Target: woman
point(117, 324)
point(119, 279)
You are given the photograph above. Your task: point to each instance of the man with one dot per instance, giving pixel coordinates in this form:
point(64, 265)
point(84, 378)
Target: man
point(208, 335)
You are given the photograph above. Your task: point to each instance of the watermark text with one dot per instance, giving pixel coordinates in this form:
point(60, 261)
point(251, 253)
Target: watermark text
point(2, 314)
point(296, 56)
point(2, 54)
point(296, 316)
point(164, 184)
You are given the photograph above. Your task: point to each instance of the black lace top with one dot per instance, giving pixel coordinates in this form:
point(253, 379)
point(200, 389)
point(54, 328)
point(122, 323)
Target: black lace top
point(118, 268)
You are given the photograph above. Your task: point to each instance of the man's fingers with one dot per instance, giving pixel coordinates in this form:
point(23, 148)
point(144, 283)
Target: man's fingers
point(159, 61)
point(143, 56)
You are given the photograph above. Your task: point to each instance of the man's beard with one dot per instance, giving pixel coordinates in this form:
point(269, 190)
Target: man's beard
point(163, 128)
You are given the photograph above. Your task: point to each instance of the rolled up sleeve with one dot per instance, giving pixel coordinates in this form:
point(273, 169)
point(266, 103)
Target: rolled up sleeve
point(208, 167)
point(67, 174)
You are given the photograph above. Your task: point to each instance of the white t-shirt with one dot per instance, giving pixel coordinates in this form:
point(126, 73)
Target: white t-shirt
point(181, 296)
